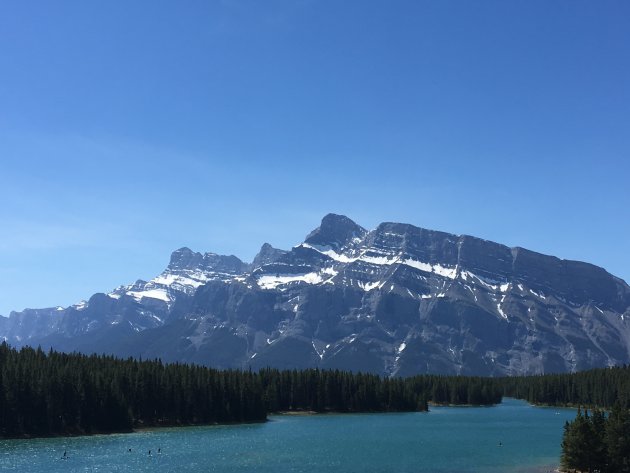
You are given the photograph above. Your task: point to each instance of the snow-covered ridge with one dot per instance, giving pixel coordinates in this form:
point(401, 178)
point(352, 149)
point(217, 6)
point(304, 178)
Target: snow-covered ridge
point(165, 287)
point(377, 257)
point(169, 284)
point(159, 294)
point(188, 271)
point(393, 291)
point(371, 256)
point(374, 261)
point(273, 281)
point(184, 280)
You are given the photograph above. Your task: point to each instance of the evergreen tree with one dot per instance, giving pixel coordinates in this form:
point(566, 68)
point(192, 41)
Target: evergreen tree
point(617, 439)
point(576, 444)
point(599, 454)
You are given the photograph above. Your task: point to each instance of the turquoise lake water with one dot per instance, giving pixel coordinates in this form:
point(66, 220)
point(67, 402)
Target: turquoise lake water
point(445, 440)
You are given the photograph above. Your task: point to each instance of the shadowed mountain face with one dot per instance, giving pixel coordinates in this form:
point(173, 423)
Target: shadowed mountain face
point(397, 300)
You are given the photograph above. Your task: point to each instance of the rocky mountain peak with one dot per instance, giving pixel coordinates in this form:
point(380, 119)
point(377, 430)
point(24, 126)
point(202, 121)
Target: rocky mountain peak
point(186, 259)
point(267, 254)
point(335, 231)
point(399, 300)
point(183, 258)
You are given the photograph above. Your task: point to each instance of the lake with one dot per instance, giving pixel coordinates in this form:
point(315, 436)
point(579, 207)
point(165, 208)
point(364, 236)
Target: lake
point(511, 437)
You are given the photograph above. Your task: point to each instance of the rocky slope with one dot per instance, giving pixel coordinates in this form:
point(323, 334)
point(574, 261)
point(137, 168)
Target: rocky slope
point(397, 300)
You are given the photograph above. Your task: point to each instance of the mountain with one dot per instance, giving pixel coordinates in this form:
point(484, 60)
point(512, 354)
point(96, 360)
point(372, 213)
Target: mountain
point(396, 300)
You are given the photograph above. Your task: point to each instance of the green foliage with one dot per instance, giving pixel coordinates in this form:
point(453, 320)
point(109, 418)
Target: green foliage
point(598, 449)
point(337, 391)
point(597, 443)
point(457, 390)
point(602, 387)
point(617, 439)
point(590, 443)
point(577, 444)
point(56, 393)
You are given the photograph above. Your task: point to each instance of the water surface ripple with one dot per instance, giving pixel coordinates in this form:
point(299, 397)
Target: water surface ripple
point(511, 437)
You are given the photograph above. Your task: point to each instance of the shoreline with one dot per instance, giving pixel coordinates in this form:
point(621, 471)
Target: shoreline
point(540, 469)
point(438, 404)
point(142, 428)
point(295, 413)
point(538, 463)
point(134, 430)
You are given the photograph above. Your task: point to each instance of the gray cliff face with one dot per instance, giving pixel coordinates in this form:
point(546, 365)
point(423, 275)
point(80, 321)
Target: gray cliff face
point(267, 255)
point(184, 259)
point(398, 300)
point(335, 231)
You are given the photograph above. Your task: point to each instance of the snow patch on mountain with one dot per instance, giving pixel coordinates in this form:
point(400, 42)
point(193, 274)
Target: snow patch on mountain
point(367, 295)
point(273, 281)
point(189, 279)
point(160, 294)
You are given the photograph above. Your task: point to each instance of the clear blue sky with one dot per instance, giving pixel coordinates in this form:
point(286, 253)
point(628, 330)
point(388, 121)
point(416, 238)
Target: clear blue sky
point(129, 129)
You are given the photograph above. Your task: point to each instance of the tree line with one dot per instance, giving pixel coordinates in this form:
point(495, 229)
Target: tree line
point(55, 393)
point(602, 387)
point(337, 391)
point(457, 390)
